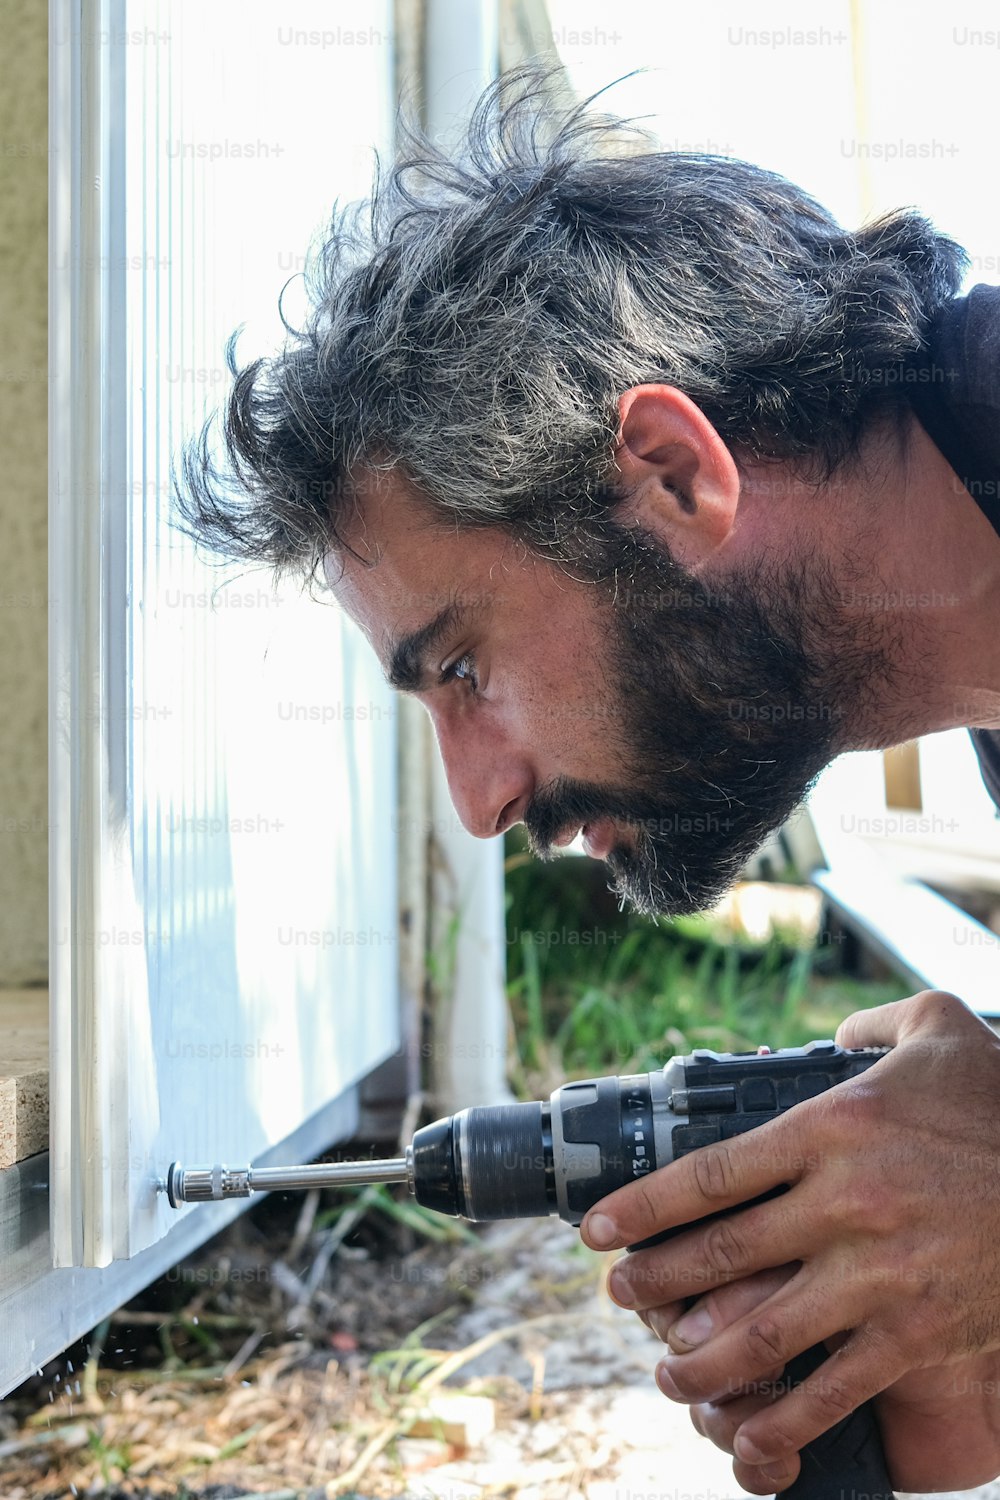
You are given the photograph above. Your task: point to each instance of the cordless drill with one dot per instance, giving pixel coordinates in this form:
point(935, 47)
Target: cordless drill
point(561, 1156)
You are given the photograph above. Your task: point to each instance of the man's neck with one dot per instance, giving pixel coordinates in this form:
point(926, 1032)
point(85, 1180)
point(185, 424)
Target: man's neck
point(917, 568)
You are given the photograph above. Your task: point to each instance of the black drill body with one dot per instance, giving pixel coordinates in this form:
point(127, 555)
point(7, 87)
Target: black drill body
point(514, 1161)
point(561, 1155)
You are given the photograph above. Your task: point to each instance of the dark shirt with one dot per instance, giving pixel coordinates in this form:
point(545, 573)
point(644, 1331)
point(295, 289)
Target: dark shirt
point(957, 401)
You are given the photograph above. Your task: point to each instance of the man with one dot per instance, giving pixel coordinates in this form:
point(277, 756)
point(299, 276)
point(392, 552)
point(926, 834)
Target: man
point(659, 490)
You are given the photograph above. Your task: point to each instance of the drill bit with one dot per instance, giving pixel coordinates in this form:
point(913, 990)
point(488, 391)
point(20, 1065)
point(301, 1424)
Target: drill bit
point(206, 1184)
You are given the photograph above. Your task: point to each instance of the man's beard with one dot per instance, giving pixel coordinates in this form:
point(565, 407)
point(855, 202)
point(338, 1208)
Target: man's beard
point(727, 705)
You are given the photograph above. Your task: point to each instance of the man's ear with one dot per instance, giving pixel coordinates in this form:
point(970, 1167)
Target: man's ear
point(682, 483)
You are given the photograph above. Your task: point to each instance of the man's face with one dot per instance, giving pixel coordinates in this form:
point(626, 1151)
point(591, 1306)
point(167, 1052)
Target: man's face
point(676, 725)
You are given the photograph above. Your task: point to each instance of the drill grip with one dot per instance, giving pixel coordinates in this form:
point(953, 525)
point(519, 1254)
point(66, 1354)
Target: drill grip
point(846, 1463)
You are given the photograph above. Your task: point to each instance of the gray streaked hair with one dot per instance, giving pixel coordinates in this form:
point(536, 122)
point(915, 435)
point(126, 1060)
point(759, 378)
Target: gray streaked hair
point(473, 324)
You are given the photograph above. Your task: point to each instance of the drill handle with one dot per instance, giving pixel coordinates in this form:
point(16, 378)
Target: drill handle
point(845, 1463)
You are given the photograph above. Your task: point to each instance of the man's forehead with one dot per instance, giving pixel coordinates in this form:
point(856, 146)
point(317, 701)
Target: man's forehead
point(402, 574)
point(383, 510)
point(385, 541)
point(403, 564)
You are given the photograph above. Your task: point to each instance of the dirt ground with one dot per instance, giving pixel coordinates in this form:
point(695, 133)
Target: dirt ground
point(314, 1354)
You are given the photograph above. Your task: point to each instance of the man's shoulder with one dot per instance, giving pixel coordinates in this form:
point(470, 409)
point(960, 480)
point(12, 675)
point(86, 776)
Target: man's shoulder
point(964, 348)
point(957, 397)
point(986, 743)
point(960, 407)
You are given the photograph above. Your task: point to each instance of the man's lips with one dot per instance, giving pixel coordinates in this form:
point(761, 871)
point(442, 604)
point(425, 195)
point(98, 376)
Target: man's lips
point(598, 838)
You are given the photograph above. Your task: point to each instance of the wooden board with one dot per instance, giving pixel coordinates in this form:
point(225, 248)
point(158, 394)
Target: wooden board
point(24, 1074)
point(923, 936)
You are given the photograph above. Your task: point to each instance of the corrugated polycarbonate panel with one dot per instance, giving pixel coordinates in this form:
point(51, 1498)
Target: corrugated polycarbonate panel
point(243, 954)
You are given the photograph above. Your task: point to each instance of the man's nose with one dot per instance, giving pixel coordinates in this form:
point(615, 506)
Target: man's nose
point(489, 780)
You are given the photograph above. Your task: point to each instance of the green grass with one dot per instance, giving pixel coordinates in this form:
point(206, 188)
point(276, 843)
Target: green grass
point(379, 1198)
point(592, 990)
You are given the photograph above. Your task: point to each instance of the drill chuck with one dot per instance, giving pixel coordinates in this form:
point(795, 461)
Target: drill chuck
point(489, 1162)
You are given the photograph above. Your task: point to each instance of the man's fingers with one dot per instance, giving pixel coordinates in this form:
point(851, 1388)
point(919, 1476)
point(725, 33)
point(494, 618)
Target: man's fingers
point(659, 1319)
point(841, 1384)
point(684, 1327)
point(720, 1421)
point(720, 1424)
point(702, 1182)
point(735, 1247)
point(769, 1479)
point(803, 1312)
point(726, 1305)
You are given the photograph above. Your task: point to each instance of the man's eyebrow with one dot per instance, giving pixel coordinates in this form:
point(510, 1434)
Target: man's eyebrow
point(407, 656)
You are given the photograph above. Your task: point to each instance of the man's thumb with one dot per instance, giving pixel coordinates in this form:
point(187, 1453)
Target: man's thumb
point(932, 1011)
point(879, 1027)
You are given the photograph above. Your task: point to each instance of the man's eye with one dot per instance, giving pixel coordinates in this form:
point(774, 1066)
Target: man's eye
point(464, 668)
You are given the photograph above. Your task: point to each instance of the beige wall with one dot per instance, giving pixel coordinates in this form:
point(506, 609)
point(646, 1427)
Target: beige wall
point(23, 322)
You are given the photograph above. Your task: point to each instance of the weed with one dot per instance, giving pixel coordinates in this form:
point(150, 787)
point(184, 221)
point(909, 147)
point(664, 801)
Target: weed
point(592, 990)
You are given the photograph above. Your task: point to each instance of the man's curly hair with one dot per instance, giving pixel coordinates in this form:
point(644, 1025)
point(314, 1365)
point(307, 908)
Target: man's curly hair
point(474, 323)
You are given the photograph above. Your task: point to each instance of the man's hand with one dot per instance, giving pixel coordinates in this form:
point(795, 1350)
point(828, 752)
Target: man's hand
point(940, 1427)
point(893, 1212)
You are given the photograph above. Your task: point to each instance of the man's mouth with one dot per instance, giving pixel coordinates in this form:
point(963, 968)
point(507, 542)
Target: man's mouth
point(598, 838)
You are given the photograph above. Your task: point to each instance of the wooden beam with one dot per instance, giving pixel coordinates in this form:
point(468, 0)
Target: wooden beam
point(901, 768)
point(24, 1074)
